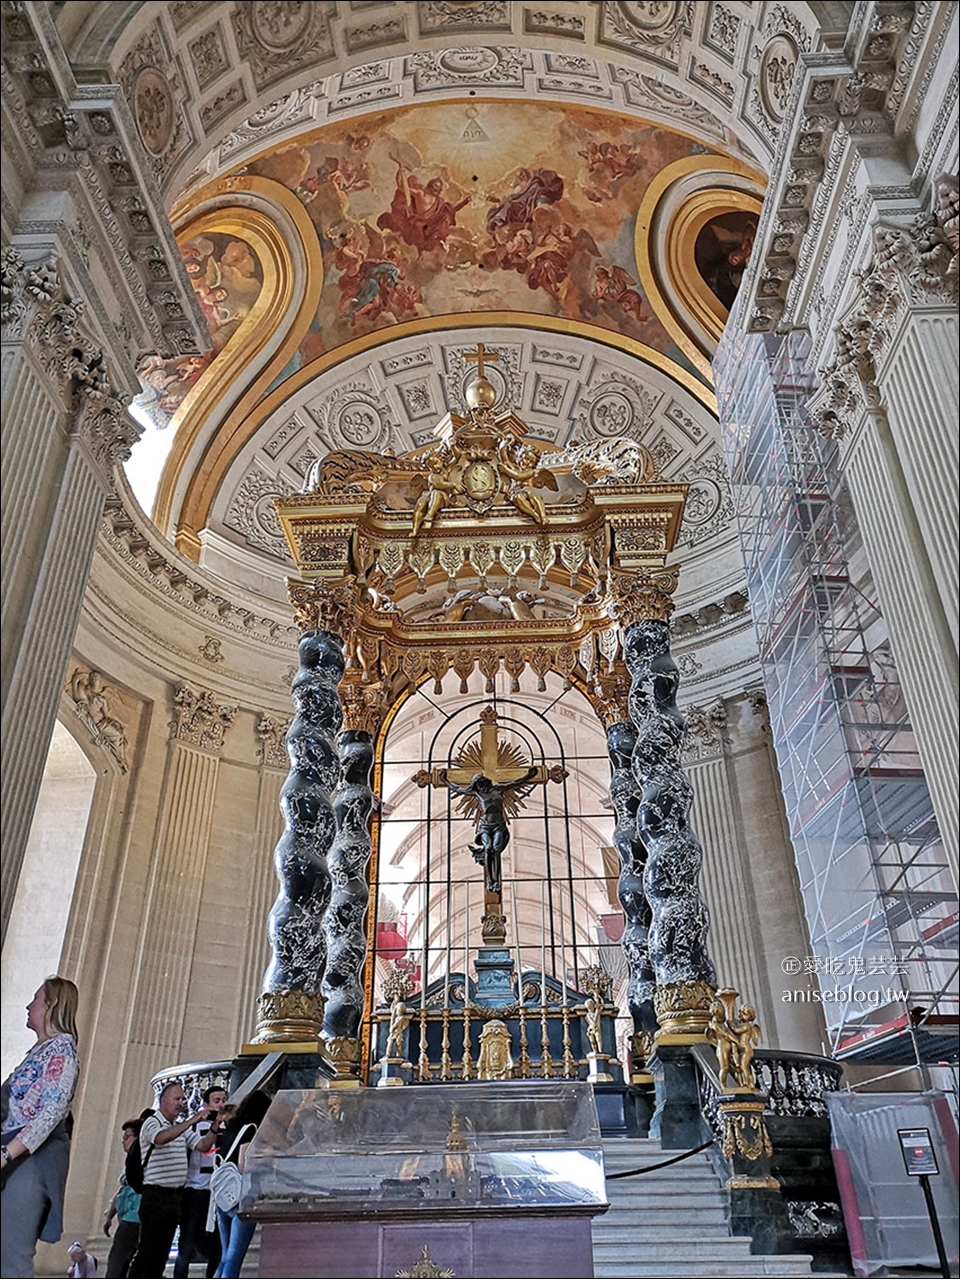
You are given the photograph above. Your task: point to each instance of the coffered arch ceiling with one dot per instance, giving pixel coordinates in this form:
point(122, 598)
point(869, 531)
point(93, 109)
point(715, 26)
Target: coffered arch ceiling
point(584, 111)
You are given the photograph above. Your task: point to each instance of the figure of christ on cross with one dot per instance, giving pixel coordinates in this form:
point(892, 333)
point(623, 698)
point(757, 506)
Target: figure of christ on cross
point(497, 779)
point(492, 833)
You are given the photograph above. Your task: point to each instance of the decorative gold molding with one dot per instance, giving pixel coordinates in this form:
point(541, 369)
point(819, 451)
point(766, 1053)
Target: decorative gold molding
point(277, 298)
point(426, 1268)
point(744, 1129)
point(344, 1054)
point(683, 1008)
point(245, 419)
point(647, 269)
point(680, 241)
point(289, 1017)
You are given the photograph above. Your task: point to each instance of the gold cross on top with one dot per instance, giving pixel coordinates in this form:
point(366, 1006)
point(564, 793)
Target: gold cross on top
point(480, 355)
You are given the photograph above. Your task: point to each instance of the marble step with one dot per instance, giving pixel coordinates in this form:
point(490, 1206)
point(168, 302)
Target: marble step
point(719, 1247)
point(792, 1267)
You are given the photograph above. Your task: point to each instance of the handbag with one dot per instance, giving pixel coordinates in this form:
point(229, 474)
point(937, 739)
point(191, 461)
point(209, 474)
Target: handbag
point(226, 1179)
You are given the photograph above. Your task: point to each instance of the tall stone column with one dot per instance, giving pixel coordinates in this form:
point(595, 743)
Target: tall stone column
point(679, 919)
point(290, 1007)
point(890, 398)
point(626, 796)
point(344, 921)
point(67, 428)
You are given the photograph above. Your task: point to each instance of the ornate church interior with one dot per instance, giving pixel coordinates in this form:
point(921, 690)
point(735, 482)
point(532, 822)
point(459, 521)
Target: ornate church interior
point(480, 613)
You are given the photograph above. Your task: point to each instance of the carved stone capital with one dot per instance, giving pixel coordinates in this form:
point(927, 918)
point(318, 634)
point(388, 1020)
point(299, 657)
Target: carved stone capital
point(911, 266)
point(35, 306)
point(108, 429)
point(363, 707)
point(271, 746)
point(646, 595)
point(289, 1016)
point(706, 731)
point(200, 720)
point(611, 696)
point(324, 606)
point(23, 286)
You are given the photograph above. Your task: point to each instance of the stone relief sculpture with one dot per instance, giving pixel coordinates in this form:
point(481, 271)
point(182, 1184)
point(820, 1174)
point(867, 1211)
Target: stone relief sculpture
point(90, 703)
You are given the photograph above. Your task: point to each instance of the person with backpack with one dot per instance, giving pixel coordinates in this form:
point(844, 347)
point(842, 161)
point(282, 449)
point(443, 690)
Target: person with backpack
point(235, 1231)
point(165, 1145)
point(125, 1206)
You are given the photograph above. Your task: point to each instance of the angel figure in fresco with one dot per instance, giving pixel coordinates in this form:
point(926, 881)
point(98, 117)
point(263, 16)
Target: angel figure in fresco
point(531, 190)
point(608, 164)
point(372, 282)
point(612, 284)
point(419, 214)
point(522, 466)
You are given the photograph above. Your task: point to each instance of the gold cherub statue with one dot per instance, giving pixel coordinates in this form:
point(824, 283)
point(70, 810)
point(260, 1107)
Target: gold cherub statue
point(734, 1039)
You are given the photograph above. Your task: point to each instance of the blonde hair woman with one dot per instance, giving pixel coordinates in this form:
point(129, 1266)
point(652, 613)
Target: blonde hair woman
point(36, 1122)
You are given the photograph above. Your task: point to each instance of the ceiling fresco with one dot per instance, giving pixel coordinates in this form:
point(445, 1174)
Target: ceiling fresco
point(227, 277)
point(493, 206)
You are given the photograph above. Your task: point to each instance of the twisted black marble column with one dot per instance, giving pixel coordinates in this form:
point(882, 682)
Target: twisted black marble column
point(679, 917)
point(625, 794)
point(297, 942)
point(344, 921)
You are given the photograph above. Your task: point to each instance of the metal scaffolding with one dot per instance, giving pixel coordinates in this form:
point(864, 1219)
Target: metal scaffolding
point(878, 895)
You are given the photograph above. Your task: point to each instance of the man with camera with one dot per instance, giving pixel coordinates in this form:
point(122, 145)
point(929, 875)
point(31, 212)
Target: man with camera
point(165, 1145)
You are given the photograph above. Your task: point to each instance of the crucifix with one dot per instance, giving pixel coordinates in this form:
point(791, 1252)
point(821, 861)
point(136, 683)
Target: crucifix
point(491, 781)
point(479, 356)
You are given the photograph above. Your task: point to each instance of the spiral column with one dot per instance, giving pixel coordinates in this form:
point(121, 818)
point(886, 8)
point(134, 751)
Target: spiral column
point(344, 920)
point(290, 1007)
point(625, 796)
point(679, 919)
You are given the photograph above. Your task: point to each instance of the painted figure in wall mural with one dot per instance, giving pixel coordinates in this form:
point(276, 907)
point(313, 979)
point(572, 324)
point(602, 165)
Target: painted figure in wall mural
point(440, 208)
point(722, 252)
point(419, 214)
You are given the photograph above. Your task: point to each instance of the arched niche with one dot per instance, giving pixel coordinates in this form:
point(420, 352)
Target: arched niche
point(44, 897)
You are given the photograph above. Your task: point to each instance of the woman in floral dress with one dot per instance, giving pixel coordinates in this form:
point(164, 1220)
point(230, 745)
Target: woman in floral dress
point(36, 1124)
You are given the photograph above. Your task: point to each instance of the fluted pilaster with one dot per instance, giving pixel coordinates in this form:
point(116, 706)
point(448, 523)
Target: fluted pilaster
point(172, 907)
point(922, 412)
point(726, 884)
point(918, 631)
point(263, 891)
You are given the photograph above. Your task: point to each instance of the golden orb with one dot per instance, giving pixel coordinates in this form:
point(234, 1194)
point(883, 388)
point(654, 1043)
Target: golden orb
point(481, 394)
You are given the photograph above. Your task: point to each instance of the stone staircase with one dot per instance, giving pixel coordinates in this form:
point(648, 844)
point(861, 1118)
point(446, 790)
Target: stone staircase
point(673, 1222)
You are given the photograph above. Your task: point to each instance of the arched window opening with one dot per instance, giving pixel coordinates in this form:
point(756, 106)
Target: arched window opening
point(41, 908)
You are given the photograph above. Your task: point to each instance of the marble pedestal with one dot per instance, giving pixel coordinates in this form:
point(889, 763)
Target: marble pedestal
point(550, 1248)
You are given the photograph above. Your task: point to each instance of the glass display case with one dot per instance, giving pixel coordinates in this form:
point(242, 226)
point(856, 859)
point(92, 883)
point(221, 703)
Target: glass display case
point(464, 1149)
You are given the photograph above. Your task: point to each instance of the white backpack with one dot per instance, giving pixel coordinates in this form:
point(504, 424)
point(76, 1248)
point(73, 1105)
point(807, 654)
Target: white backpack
point(226, 1180)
